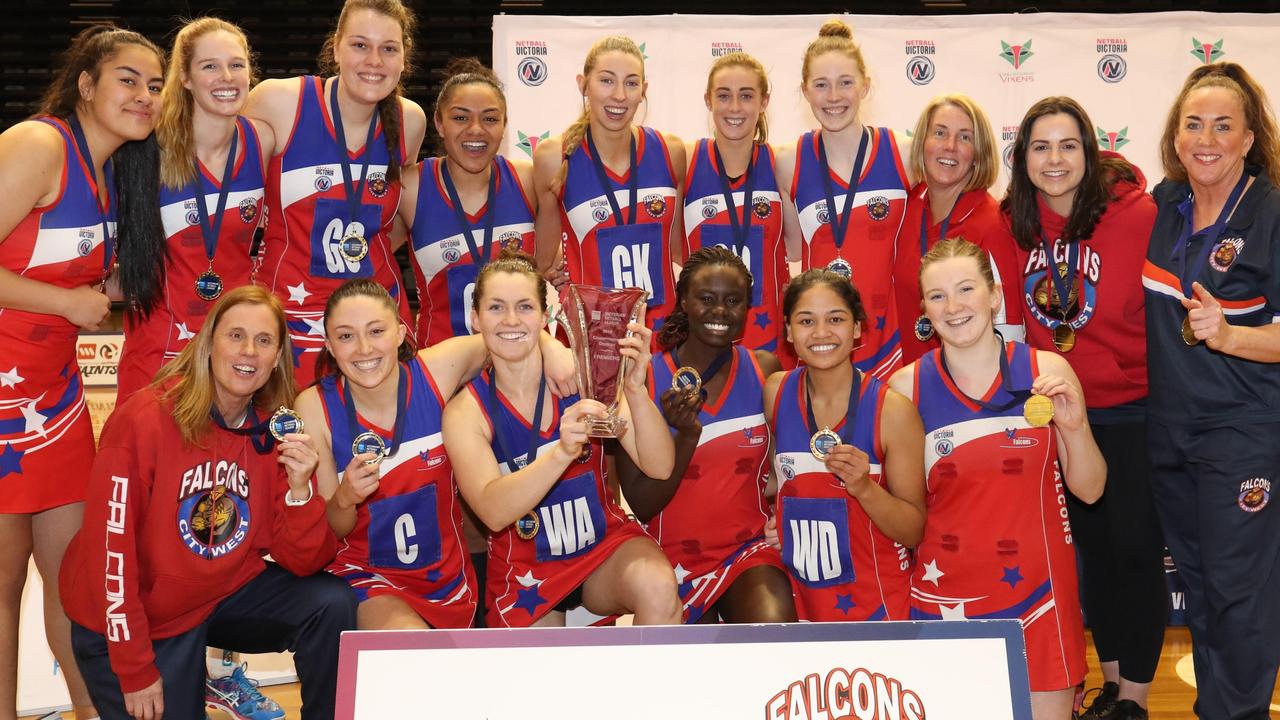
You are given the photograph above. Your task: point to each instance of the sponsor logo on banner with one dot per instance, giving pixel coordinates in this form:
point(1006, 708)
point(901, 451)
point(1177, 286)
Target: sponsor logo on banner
point(842, 693)
point(1113, 141)
point(531, 68)
point(1111, 63)
point(1206, 52)
point(1017, 56)
point(97, 355)
point(719, 49)
point(920, 69)
point(528, 143)
point(1008, 133)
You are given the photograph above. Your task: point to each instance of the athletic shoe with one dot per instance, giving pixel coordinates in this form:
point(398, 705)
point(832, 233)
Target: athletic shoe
point(1128, 710)
point(1104, 703)
point(237, 695)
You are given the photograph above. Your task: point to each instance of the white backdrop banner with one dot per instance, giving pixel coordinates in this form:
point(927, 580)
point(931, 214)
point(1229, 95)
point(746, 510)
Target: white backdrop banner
point(1125, 69)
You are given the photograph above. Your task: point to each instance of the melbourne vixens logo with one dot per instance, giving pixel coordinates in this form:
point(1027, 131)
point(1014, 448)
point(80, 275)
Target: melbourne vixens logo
point(213, 508)
point(1112, 141)
point(1041, 295)
point(529, 143)
point(1016, 55)
point(1206, 52)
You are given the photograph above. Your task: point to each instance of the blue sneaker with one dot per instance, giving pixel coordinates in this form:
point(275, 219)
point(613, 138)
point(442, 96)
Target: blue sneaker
point(238, 696)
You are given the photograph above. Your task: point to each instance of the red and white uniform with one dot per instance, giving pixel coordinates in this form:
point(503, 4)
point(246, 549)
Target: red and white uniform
point(307, 220)
point(46, 440)
point(842, 566)
point(878, 208)
point(997, 542)
point(407, 540)
point(158, 338)
point(706, 224)
point(171, 530)
point(580, 524)
point(712, 530)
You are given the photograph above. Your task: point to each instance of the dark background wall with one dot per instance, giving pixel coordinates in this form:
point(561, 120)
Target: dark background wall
point(286, 34)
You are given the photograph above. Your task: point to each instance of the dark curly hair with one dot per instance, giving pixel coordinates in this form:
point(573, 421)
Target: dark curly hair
point(676, 329)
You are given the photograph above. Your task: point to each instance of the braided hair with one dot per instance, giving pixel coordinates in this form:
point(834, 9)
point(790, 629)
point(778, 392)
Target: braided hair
point(676, 329)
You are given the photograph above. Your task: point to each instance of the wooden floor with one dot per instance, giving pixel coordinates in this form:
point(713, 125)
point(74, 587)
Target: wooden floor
point(1171, 695)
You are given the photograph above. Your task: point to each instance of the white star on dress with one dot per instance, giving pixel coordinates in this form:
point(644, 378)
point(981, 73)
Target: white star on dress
point(955, 612)
point(527, 579)
point(681, 574)
point(183, 332)
point(932, 573)
point(11, 378)
point(298, 293)
point(35, 421)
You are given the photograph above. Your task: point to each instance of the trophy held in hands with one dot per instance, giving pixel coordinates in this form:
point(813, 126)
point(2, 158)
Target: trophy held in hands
point(595, 318)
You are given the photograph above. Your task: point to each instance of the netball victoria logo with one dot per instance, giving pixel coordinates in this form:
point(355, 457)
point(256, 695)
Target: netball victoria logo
point(531, 68)
point(1206, 52)
point(1111, 63)
point(920, 69)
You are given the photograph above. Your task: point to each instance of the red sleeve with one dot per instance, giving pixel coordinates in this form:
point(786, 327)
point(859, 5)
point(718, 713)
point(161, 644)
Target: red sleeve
point(301, 539)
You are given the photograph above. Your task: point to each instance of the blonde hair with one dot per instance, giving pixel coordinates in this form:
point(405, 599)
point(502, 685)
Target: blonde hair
point(572, 136)
point(957, 247)
point(190, 378)
point(1258, 117)
point(833, 36)
point(985, 157)
point(739, 59)
point(173, 128)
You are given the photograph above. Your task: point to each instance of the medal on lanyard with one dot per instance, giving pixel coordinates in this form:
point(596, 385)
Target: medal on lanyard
point(687, 377)
point(741, 230)
point(1212, 234)
point(371, 442)
point(479, 257)
point(354, 245)
point(283, 422)
point(823, 441)
point(209, 284)
point(1063, 276)
point(257, 432)
point(1037, 409)
point(108, 242)
point(839, 221)
point(527, 526)
point(924, 327)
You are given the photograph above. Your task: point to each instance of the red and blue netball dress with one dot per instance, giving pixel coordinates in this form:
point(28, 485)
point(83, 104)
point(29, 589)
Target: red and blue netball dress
point(407, 541)
point(233, 204)
point(718, 211)
point(312, 230)
point(842, 567)
point(976, 218)
point(712, 530)
point(446, 262)
point(46, 439)
point(539, 560)
point(865, 246)
point(997, 542)
point(617, 228)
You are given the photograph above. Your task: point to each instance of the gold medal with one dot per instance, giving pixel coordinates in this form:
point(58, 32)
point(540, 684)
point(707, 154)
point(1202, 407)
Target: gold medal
point(353, 246)
point(823, 442)
point(1038, 410)
point(924, 328)
point(527, 526)
point(1189, 335)
point(370, 442)
point(686, 378)
point(283, 422)
point(1064, 337)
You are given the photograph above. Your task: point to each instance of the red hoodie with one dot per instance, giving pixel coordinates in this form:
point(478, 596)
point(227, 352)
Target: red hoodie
point(154, 556)
point(1107, 312)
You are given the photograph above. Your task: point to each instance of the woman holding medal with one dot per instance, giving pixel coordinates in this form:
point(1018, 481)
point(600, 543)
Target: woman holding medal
point(76, 186)
point(1077, 218)
point(709, 515)
point(207, 151)
point(334, 182)
point(996, 544)
point(383, 468)
point(847, 188)
point(955, 161)
point(731, 196)
point(849, 463)
point(584, 229)
point(527, 467)
point(185, 498)
point(471, 194)
point(1213, 292)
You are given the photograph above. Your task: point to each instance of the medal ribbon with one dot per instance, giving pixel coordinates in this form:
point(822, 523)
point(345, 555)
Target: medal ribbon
point(1061, 284)
point(402, 403)
point(839, 221)
point(257, 431)
point(1006, 380)
point(479, 259)
point(741, 230)
point(633, 183)
point(850, 413)
point(717, 363)
point(534, 432)
point(942, 232)
point(354, 190)
point(1211, 233)
point(211, 231)
point(108, 242)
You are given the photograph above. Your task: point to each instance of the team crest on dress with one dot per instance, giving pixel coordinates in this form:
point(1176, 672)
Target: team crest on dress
point(655, 205)
point(944, 447)
point(824, 217)
point(248, 211)
point(878, 208)
point(509, 240)
point(1255, 493)
point(377, 184)
point(762, 208)
point(451, 255)
point(1225, 253)
point(84, 247)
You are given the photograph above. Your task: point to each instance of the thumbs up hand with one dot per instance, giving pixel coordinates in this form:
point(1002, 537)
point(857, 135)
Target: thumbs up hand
point(1207, 321)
